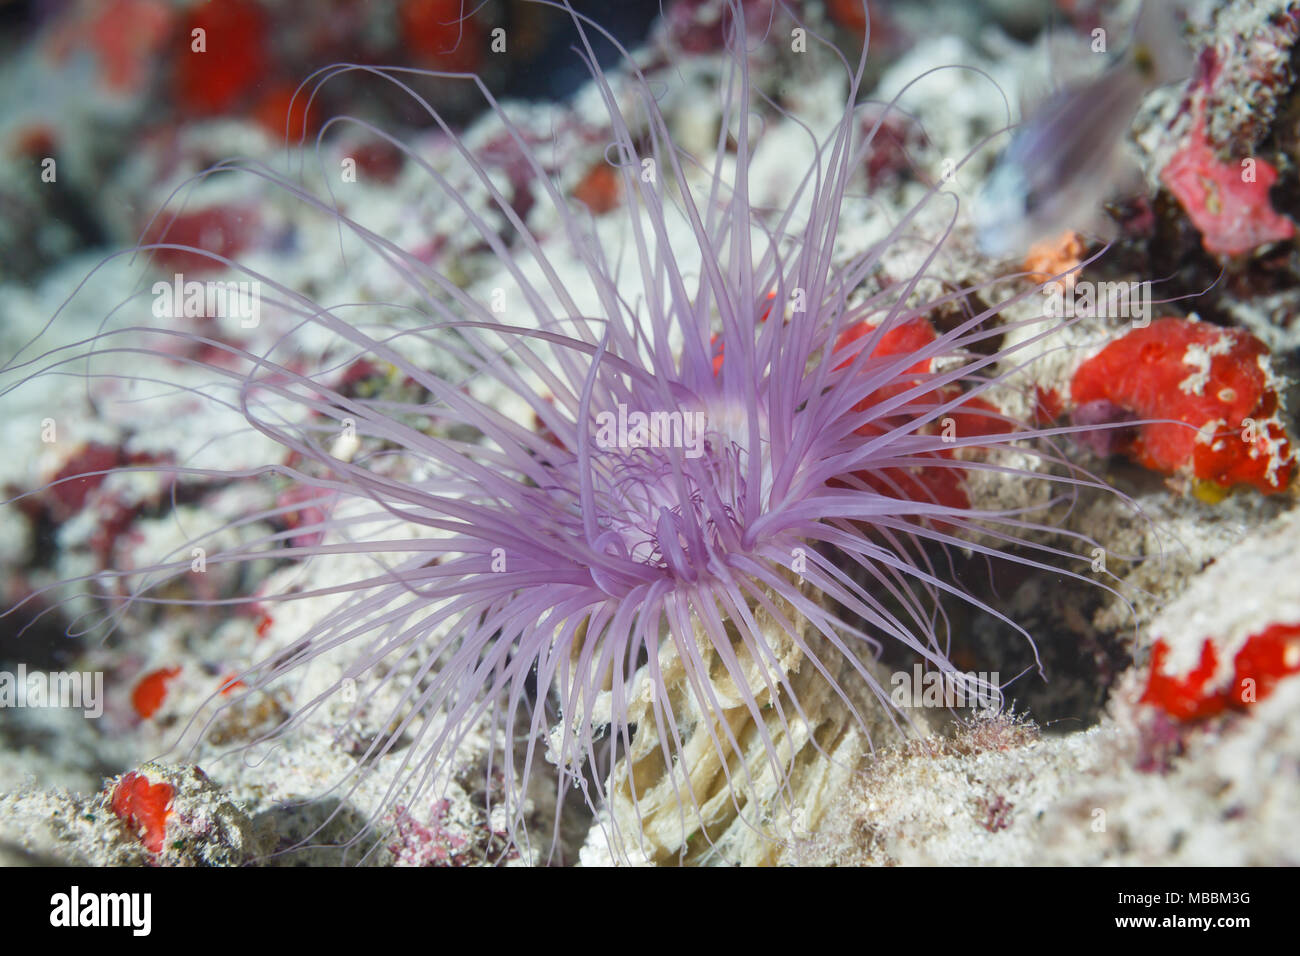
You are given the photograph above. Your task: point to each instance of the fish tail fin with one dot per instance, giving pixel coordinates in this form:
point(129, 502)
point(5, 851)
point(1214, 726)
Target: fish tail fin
point(1158, 50)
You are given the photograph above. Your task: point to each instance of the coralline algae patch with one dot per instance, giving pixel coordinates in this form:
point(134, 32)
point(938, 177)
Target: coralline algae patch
point(1208, 401)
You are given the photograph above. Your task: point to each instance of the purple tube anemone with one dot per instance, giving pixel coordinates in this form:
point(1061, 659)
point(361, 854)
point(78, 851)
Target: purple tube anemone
point(668, 588)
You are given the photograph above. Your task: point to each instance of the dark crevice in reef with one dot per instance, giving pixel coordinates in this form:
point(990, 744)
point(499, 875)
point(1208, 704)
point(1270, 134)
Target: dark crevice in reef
point(1184, 276)
point(1079, 663)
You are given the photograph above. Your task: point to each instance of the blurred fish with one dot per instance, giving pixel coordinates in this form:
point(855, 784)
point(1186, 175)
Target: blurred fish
point(1066, 158)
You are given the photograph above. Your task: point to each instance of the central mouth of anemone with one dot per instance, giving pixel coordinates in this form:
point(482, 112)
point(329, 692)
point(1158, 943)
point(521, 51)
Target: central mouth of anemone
point(656, 513)
point(675, 507)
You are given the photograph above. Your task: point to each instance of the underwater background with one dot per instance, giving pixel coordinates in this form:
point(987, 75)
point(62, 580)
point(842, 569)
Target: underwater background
point(1151, 721)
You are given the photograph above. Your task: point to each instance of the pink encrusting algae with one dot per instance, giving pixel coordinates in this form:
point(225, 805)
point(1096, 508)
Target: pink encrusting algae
point(1228, 201)
point(543, 566)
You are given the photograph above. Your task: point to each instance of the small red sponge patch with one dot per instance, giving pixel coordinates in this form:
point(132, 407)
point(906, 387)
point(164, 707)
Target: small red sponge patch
point(144, 807)
point(150, 693)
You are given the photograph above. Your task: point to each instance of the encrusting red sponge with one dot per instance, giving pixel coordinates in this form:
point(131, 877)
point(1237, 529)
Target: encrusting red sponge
point(1264, 660)
point(144, 807)
point(1214, 379)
